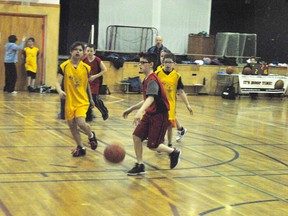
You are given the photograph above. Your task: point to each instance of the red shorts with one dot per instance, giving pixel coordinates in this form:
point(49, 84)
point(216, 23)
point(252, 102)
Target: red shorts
point(152, 127)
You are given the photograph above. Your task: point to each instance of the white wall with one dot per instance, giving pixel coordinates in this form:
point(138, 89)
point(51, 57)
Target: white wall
point(173, 19)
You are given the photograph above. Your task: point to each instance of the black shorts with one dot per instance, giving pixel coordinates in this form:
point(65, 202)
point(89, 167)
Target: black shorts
point(31, 74)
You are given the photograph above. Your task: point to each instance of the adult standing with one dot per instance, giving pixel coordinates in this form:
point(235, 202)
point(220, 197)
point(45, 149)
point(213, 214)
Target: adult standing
point(157, 48)
point(11, 58)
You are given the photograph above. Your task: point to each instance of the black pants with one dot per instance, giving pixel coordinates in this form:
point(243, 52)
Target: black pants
point(100, 106)
point(10, 77)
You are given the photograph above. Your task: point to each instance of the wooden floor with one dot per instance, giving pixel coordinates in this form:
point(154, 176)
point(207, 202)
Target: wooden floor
point(234, 161)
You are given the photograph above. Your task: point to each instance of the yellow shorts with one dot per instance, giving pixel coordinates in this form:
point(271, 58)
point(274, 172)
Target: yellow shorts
point(73, 112)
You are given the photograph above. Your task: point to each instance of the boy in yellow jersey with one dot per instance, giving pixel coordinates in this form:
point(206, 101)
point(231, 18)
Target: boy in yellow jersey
point(172, 84)
point(31, 54)
point(76, 92)
point(181, 131)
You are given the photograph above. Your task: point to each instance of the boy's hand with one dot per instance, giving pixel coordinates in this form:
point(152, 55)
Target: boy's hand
point(62, 95)
point(126, 113)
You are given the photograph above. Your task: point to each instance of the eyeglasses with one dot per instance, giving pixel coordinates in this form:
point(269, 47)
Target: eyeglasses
point(143, 62)
point(168, 62)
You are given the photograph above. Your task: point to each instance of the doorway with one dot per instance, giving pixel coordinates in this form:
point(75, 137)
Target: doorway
point(22, 25)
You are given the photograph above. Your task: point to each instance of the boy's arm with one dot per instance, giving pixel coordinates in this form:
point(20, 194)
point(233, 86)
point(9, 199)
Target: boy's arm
point(58, 86)
point(130, 109)
point(147, 103)
point(183, 96)
point(92, 104)
point(103, 70)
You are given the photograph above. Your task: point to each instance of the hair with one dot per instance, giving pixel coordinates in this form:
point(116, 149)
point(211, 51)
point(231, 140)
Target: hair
point(150, 57)
point(75, 44)
point(166, 51)
point(171, 56)
point(90, 46)
point(12, 38)
point(32, 39)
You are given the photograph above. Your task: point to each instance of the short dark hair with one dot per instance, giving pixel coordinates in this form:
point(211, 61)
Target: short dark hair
point(90, 46)
point(75, 44)
point(150, 57)
point(12, 38)
point(31, 38)
point(171, 56)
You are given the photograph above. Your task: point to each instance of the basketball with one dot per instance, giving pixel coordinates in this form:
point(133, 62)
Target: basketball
point(279, 84)
point(114, 153)
point(229, 70)
point(247, 71)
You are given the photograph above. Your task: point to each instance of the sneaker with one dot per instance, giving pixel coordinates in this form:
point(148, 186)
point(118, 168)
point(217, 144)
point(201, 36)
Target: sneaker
point(105, 116)
point(93, 141)
point(78, 151)
point(170, 145)
point(138, 169)
point(13, 92)
point(174, 158)
point(181, 134)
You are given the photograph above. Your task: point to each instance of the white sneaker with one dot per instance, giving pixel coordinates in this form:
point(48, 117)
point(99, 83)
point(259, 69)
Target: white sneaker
point(181, 134)
point(14, 92)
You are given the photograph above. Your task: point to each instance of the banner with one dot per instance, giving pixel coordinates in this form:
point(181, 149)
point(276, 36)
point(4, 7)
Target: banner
point(262, 84)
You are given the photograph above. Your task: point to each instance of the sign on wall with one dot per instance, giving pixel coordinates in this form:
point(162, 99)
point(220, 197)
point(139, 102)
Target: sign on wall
point(262, 84)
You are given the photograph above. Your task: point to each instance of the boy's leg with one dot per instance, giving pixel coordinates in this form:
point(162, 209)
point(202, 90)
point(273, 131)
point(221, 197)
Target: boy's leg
point(100, 106)
point(138, 148)
point(139, 168)
point(33, 83)
point(75, 133)
point(80, 149)
point(169, 136)
point(87, 130)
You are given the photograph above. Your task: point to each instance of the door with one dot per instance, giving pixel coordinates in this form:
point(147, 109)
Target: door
point(22, 25)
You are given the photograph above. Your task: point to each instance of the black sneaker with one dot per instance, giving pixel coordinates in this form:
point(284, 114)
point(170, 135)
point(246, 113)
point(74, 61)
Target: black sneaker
point(78, 151)
point(174, 158)
point(105, 116)
point(170, 145)
point(93, 141)
point(138, 169)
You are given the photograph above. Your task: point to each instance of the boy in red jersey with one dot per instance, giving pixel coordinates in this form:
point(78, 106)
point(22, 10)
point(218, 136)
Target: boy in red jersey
point(96, 77)
point(74, 73)
point(151, 119)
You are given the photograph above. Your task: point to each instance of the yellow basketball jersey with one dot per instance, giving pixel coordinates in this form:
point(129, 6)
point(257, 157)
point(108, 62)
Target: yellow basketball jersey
point(31, 58)
point(75, 84)
point(170, 82)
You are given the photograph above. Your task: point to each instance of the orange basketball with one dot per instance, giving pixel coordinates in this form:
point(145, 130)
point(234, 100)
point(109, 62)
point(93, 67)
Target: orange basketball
point(229, 70)
point(114, 153)
point(247, 71)
point(279, 84)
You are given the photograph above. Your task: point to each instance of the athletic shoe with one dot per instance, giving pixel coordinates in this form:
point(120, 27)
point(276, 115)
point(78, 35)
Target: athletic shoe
point(138, 169)
point(93, 141)
point(181, 134)
point(170, 145)
point(13, 92)
point(174, 158)
point(78, 151)
point(105, 116)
